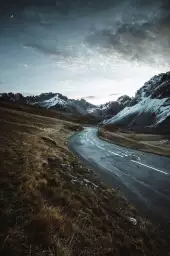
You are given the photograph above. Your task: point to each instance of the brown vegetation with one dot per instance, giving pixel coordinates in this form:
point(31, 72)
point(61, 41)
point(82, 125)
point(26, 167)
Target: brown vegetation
point(50, 204)
point(151, 143)
point(33, 109)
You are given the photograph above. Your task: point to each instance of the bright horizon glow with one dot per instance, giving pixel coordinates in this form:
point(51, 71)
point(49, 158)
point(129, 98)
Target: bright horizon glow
point(127, 86)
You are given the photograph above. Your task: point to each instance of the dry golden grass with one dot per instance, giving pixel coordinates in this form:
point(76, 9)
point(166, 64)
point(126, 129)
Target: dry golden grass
point(47, 206)
point(156, 144)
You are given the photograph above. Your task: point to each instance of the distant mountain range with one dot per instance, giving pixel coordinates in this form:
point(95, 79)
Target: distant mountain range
point(57, 101)
point(149, 110)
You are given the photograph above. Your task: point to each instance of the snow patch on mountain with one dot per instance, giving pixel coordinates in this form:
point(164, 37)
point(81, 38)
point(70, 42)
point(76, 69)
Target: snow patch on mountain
point(53, 101)
point(155, 110)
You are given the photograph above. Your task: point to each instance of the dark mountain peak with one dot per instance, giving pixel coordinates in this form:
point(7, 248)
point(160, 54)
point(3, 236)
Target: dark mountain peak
point(157, 87)
point(40, 97)
point(124, 100)
point(62, 97)
point(110, 108)
point(84, 103)
point(13, 97)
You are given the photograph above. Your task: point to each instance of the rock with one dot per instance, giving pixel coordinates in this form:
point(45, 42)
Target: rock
point(133, 221)
point(54, 162)
point(124, 101)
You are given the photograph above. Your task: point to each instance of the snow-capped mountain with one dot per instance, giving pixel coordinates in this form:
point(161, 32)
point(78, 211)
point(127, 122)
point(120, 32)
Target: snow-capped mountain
point(62, 103)
point(51, 101)
point(59, 102)
point(149, 109)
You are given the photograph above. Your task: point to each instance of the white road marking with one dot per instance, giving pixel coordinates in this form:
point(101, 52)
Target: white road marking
point(149, 167)
point(114, 153)
point(99, 147)
point(102, 147)
point(89, 140)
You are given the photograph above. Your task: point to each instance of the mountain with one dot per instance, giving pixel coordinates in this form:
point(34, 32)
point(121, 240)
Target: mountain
point(62, 103)
point(149, 110)
point(39, 98)
point(59, 102)
point(106, 110)
point(51, 100)
point(13, 97)
point(124, 101)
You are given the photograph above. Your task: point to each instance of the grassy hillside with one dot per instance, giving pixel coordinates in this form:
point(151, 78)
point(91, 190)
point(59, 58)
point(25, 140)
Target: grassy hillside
point(151, 143)
point(49, 112)
point(51, 204)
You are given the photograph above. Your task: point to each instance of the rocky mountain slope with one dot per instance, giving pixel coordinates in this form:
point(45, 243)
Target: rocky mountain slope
point(62, 103)
point(149, 110)
point(106, 110)
point(13, 97)
point(40, 98)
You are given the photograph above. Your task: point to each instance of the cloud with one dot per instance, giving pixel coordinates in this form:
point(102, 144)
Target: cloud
point(46, 49)
point(114, 94)
point(100, 96)
point(144, 36)
point(89, 97)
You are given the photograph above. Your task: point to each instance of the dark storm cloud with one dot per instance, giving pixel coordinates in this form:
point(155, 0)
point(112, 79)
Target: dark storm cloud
point(63, 5)
point(129, 41)
point(134, 37)
point(46, 49)
point(139, 38)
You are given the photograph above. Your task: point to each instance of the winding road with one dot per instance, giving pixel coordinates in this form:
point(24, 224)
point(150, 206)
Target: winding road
point(143, 177)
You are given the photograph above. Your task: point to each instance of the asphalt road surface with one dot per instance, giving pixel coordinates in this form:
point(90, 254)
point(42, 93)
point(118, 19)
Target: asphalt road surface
point(143, 177)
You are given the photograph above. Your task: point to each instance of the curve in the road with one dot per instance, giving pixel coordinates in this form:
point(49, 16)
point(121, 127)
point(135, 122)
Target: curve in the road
point(144, 177)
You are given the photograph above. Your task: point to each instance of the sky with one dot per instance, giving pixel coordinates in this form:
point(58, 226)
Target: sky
point(83, 49)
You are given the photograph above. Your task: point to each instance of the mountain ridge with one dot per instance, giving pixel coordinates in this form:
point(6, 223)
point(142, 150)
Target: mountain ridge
point(59, 102)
